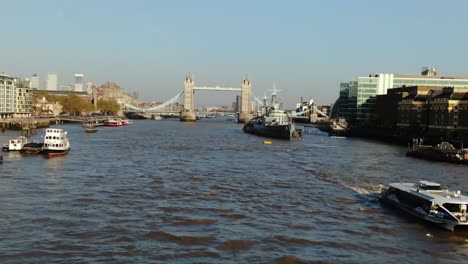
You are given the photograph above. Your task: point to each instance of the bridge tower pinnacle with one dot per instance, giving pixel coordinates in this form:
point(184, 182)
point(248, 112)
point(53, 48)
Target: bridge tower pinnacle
point(246, 106)
point(188, 112)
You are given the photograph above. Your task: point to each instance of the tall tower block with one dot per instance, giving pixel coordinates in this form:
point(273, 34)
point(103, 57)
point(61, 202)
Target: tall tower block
point(188, 113)
point(245, 107)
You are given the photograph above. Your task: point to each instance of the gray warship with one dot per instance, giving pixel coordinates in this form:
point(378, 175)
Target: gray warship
point(273, 122)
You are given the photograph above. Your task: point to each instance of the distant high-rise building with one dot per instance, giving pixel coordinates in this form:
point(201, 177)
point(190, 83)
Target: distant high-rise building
point(52, 82)
point(238, 102)
point(35, 84)
point(79, 81)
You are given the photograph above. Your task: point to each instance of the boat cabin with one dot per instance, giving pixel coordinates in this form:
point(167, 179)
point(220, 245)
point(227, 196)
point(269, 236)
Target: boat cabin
point(429, 186)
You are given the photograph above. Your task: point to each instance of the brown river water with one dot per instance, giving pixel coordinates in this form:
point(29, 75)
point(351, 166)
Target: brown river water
point(205, 192)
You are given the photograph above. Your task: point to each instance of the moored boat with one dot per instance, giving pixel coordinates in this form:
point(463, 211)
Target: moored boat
point(93, 123)
point(126, 122)
point(441, 152)
point(428, 201)
point(338, 128)
point(55, 142)
point(34, 147)
point(113, 122)
point(272, 122)
point(16, 144)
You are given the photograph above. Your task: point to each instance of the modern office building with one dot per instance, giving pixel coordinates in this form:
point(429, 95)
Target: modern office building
point(35, 82)
point(7, 96)
point(52, 82)
point(79, 82)
point(24, 96)
point(358, 97)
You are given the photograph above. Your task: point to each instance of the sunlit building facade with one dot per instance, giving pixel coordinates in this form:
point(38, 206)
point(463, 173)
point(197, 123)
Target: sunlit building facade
point(7, 96)
point(24, 96)
point(79, 82)
point(358, 97)
point(52, 82)
point(35, 82)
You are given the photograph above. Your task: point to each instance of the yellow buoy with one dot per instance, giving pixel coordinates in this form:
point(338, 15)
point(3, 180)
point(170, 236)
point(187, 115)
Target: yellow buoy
point(267, 142)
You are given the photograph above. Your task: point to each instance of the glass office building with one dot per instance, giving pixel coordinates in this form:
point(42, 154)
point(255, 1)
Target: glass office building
point(357, 98)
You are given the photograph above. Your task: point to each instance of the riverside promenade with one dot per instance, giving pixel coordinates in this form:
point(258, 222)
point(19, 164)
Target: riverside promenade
point(28, 126)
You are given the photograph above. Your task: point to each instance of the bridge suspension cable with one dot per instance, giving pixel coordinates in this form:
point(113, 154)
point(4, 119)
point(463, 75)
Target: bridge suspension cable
point(155, 108)
point(257, 99)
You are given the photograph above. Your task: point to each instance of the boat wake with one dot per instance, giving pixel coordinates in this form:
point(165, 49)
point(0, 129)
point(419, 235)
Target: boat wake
point(354, 185)
point(367, 190)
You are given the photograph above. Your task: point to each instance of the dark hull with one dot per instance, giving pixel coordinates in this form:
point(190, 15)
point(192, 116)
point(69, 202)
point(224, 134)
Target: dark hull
point(54, 153)
point(417, 211)
point(301, 120)
point(32, 148)
point(278, 131)
point(413, 212)
point(90, 130)
point(430, 153)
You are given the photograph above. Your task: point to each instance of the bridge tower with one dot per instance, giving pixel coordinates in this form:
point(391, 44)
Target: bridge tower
point(188, 113)
point(245, 113)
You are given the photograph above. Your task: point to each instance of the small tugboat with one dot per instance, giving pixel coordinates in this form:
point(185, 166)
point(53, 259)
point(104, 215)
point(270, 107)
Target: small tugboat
point(272, 122)
point(428, 201)
point(442, 152)
point(32, 148)
point(55, 142)
point(16, 144)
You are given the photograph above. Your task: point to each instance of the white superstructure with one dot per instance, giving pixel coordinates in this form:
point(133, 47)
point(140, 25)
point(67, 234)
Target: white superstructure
point(55, 140)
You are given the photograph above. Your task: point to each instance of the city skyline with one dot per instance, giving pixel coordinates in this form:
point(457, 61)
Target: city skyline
point(307, 47)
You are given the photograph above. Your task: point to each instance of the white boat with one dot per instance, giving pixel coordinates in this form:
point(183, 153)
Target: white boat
point(55, 142)
point(428, 201)
point(126, 122)
point(17, 144)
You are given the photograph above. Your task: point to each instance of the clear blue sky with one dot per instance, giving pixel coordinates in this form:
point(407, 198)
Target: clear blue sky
point(307, 47)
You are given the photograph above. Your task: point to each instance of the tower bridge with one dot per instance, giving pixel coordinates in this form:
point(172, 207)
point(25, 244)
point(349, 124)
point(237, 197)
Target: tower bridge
point(187, 112)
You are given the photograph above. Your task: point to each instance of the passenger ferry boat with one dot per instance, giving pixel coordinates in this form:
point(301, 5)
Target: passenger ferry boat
point(55, 142)
point(428, 201)
point(113, 122)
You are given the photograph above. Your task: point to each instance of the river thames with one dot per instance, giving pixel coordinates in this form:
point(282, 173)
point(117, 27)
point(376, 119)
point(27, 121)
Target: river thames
point(205, 192)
